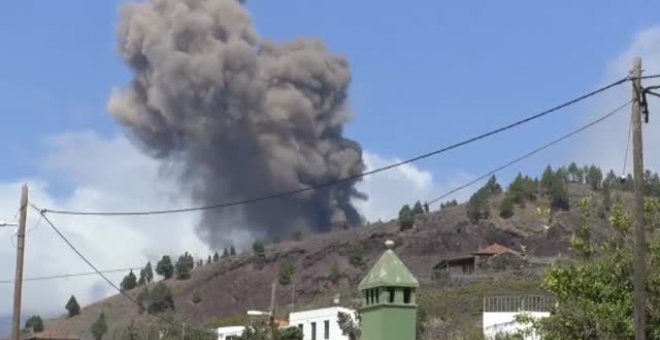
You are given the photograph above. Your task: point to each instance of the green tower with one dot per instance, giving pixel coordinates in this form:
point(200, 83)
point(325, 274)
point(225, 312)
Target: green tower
point(389, 311)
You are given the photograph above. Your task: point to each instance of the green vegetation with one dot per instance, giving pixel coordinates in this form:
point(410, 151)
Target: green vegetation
point(35, 324)
point(287, 269)
point(99, 327)
point(225, 253)
point(335, 274)
point(406, 217)
point(348, 326)
point(595, 294)
point(165, 268)
point(258, 247)
point(157, 300)
point(356, 255)
point(146, 275)
point(129, 282)
point(261, 331)
point(72, 306)
point(232, 251)
point(296, 236)
point(184, 266)
point(448, 204)
point(506, 207)
point(477, 206)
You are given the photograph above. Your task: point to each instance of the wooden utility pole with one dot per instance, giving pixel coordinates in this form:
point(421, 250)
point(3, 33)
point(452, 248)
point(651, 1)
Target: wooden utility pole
point(271, 319)
point(639, 264)
point(20, 251)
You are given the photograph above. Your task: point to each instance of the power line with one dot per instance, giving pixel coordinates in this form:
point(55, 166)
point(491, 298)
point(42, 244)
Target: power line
point(64, 276)
point(346, 179)
point(96, 270)
point(529, 154)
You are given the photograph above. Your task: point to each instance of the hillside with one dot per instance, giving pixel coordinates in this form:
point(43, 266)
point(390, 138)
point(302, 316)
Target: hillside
point(230, 287)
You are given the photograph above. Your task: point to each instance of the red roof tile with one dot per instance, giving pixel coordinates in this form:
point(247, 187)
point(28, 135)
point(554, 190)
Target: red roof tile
point(495, 249)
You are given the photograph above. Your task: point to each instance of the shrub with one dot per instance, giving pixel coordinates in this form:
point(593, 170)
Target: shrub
point(287, 269)
point(356, 255)
point(258, 247)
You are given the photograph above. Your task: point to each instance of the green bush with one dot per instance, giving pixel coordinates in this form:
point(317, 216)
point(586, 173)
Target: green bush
point(506, 207)
point(287, 269)
point(258, 247)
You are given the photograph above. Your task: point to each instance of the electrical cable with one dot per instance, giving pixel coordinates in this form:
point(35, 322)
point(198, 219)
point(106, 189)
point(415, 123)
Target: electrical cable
point(96, 270)
point(349, 178)
point(531, 153)
point(65, 276)
point(625, 158)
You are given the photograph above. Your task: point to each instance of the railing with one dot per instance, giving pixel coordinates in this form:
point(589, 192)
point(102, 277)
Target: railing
point(514, 304)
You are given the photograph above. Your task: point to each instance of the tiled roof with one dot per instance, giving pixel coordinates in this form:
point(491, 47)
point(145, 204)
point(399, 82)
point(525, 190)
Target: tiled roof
point(495, 249)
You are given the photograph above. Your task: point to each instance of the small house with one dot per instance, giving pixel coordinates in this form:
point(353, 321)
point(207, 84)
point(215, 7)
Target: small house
point(483, 258)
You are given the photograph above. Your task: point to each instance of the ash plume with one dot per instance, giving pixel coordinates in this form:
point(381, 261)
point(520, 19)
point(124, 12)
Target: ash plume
point(242, 116)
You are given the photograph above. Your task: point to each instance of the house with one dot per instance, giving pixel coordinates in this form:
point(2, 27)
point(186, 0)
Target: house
point(500, 312)
point(51, 334)
point(320, 324)
point(495, 257)
point(230, 332)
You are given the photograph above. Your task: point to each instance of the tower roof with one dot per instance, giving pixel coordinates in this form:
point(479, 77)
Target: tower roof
point(389, 271)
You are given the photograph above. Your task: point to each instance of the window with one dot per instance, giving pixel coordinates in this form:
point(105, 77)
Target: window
point(313, 330)
point(366, 296)
point(377, 292)
point(300, 326)
point(326, 329)
point(406, 295)
point(391, 291)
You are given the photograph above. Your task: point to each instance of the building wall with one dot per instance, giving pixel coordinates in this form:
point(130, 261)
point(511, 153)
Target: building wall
point(389, 322)
point(225, 333)
point(320, 316)
point(505, 322)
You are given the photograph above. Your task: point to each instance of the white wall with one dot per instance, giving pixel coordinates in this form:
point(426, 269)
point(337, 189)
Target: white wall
point(225, 332)
point(502, 322)
point(319, 316)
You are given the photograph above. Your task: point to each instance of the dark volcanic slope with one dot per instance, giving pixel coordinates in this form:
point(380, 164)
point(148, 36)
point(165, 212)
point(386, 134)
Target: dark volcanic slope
point(232, 286)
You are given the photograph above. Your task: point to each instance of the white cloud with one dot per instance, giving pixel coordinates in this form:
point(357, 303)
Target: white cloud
point(106, 174)
point(389, 190)
point(606, 143)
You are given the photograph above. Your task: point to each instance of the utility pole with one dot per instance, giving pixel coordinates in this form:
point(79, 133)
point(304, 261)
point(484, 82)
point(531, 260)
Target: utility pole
point(20, 251)
point(271, 319)
point(639, 264)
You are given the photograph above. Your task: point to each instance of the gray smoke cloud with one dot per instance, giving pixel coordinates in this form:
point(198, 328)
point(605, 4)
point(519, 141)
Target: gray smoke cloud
point(244, 117)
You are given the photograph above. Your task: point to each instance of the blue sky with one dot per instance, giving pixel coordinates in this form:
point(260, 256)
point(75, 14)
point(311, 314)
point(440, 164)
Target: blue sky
point(424, 75)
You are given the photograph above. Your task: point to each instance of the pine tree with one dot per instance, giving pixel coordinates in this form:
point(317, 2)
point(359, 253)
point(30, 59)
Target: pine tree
point(148, 273)
point(184, 266)
point(129, 282)
point(417, 209)
point(165, 268)
point(209, 260)
point(72, 306)
point(573, 172)
point(232, 251)
point(506, 207)
point(406, 218)
point(225, 254)
point(35, 323)
point(141, 280)
point(99, 327)
point(258, 247)
point(216, 257)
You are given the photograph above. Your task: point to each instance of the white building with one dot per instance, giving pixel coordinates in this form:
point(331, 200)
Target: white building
point(228, 333)
point(320, 324)
point(499, 314)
